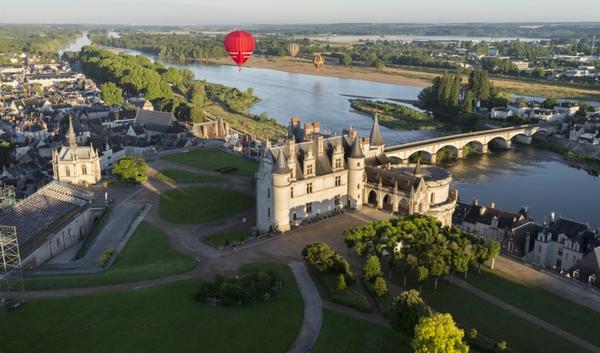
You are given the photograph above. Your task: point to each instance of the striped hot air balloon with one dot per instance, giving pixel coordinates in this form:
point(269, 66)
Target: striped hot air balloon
point(240, 46)
point(293, 49)
point(318, 61)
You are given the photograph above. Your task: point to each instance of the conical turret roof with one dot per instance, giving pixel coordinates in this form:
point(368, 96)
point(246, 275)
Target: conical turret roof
point(281, 166)
point(356, 151)
point(375, 138)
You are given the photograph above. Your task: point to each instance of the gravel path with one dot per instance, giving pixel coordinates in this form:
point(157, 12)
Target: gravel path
point(313, 310)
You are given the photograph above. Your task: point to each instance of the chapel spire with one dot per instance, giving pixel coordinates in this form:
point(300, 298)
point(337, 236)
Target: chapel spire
point(375, 138)
point(71, 138)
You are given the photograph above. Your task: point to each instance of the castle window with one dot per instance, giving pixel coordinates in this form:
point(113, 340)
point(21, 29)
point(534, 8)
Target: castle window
point(309, 169)
point(510, 246)
point(432, 198)
point(338, 180)
point(269, 212)
point(269, 193)
point(292, 191)
point(309, 189)
point(309, 207)
point(337, 200)
point(83, 169)
point(338, 162)
point(68, 171)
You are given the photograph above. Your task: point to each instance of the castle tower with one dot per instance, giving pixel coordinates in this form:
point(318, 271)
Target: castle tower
point(356, 171)
point(281, 193)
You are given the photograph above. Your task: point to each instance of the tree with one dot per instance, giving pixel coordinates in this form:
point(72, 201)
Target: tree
point(319, 256)
point(341, 283)
point(372, 269)
point(493, 252)
point(380, 287)
point(346, 59)
point(408, 309)
point(502, 346)
point(550, 103)
point(111, 94)
point(469, 101)
point(131, 169)
point(438, 334)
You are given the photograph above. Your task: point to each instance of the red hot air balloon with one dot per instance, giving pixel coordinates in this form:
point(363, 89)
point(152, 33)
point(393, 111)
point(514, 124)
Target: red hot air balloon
point(239, 45)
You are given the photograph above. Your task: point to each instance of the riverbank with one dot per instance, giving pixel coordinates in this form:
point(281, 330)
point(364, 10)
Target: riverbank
point(572, 150)
point(413, 77)
point(396, 116)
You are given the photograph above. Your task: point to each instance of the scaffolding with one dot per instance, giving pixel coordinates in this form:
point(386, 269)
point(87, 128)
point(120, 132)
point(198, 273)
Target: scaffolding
point(7, 196)
point(11, 273)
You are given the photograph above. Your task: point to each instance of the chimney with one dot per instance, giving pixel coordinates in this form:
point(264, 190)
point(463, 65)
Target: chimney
point(475, 201)
point(352, 134)
point(552, 216)
point(526, 248)
point(481, 210)
point(320, 144)
point(493, 205)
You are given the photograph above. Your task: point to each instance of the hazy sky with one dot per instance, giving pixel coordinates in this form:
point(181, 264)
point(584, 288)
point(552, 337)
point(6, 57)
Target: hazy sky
point(297, 11)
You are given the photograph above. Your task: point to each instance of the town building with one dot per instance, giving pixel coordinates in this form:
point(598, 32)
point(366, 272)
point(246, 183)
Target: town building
point(53, 218)
point(314, 175)
point(214, 129)
point(76, 164)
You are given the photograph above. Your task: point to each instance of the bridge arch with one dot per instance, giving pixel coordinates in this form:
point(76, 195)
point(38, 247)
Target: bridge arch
point(424, 155)
point(475, 146)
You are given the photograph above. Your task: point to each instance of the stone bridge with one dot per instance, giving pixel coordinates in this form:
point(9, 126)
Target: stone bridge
point(479, 140)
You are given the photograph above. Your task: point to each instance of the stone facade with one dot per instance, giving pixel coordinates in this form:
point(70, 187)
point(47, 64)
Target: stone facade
point(313, 175)
point(76, 164)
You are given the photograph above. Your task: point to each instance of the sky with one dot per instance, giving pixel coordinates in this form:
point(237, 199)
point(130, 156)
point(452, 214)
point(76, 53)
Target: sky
point(231, 12)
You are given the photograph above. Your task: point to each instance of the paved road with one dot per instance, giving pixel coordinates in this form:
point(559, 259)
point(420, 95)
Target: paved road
point(313, 310)
point(524, 315)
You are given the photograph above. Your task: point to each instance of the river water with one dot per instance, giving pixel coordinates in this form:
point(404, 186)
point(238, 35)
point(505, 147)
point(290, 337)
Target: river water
point(522, 177)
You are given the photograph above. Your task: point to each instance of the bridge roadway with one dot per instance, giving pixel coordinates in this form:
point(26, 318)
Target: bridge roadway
point(479, 140)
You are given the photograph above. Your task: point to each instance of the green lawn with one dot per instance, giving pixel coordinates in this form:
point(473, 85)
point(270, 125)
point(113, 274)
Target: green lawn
point(344, 334)
point(566, 314)
point(490, 320)
point(201, 205)
point(220, 239)
point(147, 255)
point(213, 159)
point(175, 176)
point(159, 319)
point(353, 296)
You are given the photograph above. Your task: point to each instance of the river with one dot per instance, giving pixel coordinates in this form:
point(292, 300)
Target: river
point(524, 176)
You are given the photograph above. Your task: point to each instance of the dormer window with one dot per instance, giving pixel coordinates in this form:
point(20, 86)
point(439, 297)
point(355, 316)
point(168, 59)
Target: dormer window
point(309, 169)
point(338, 163)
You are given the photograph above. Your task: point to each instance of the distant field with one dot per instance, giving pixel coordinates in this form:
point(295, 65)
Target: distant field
point(213, 159)
point(200, 205)
point(159, 319)
point(147, 255)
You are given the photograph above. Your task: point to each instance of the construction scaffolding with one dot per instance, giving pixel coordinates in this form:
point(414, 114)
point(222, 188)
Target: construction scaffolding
point(7, 196)
point(11, 273)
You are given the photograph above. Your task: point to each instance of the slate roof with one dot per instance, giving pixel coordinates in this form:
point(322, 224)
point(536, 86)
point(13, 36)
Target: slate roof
point(154, 120)
point(485, 215)
point(50, 206)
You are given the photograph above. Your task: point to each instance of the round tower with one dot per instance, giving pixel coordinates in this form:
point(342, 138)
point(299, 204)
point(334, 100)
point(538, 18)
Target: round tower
point(281, 193)
point(356, 171)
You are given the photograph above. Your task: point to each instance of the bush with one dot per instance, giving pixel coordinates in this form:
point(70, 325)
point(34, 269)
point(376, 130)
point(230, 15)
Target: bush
point(106, 257)
point(341, 283)
point(242, 290)
point(473, 334)
point(320, 256)
point(409, 308)
point(380, 287)
point(372, 269)
point(502, 346)
point(131, 169)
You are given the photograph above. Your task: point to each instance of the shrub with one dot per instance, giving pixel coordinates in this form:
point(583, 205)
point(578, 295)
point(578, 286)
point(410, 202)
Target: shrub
point(408, 309)
point(502, 346)
point(106, 257)
point(243, 290)
point(372, 269)
point(473, 334)
point(320, 256)
point(380, 287)
point(341, 283)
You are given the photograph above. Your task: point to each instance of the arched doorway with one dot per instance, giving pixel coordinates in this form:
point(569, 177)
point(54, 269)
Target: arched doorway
point(387, 202)
point(403, 206)
point(372, 198)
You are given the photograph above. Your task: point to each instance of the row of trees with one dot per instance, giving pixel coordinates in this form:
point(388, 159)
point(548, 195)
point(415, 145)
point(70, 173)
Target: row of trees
point(421, 245)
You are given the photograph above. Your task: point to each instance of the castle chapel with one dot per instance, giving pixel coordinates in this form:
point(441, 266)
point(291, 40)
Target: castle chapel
point(313, 175)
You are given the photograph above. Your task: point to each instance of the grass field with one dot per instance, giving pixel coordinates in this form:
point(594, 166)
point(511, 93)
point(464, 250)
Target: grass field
point(492, 321)
point(556, 310)
point(201, 205)
point(344, 334)
point(147, 255)
point(213, 159)
point(159, 319)
point(175, 176)
point(220, 239)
